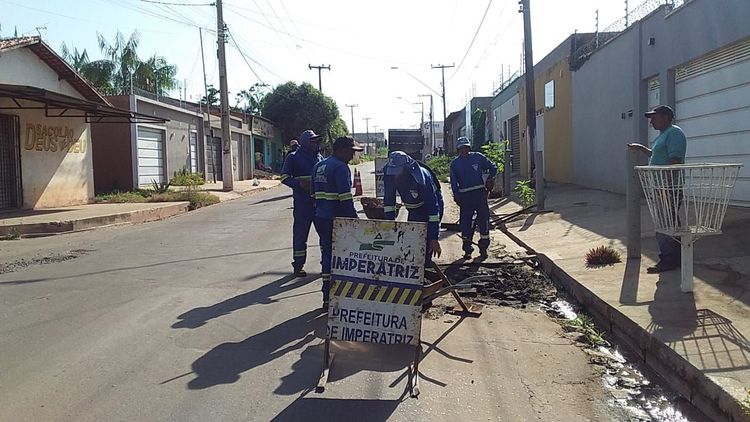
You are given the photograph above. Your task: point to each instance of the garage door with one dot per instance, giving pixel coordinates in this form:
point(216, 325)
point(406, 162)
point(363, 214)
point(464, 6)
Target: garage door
point(150, 156)
point(9, 163)
point(712, 106)
point(515, 146)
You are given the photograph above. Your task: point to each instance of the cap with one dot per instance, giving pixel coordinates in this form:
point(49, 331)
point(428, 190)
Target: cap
point(397, 162)
point(463, 142)
point(308, 136)
point(346, 142)
point(662, 109)
point(293, 142)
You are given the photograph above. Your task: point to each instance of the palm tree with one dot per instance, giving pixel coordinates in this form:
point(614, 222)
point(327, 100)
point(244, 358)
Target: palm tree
point(155, 75)
point(123, 55)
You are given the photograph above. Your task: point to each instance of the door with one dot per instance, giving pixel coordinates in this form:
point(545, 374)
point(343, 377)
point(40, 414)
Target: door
point(515, 145)
point(213, 159)
point(712, 107)
point(193, 152)
point(10, 163)
point(150, 156)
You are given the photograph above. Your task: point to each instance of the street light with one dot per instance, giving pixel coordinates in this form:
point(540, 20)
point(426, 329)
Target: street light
point(432, 121)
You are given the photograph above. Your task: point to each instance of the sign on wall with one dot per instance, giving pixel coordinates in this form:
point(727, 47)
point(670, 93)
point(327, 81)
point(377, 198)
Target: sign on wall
point(376, 281)
point(41, 137)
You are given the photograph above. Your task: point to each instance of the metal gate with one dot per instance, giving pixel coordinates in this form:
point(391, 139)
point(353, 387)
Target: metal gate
point(515, 145)
point(193, 151)
point(213, 159)
point(10, 168)
point(150, 156)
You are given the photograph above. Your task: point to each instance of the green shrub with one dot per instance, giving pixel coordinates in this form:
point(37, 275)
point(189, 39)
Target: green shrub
point(197, 199)
point(185, 178)
point(441, 166)
point(122, 197)
point(495, 152)
point(525, 192)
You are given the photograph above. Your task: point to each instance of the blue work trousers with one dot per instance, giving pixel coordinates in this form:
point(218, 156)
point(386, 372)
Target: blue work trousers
point(324, 227)
point(303, 219)
point(471, 205)
point(422, 217)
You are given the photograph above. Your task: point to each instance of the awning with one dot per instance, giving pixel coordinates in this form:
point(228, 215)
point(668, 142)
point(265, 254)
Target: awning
point(60, 105)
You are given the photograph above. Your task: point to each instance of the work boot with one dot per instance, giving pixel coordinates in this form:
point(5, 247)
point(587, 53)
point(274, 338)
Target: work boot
point(483, 254)
point(299, 272)
point(467, 255)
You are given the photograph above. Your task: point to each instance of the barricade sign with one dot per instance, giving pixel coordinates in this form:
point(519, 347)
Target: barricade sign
point(377, 271)
point(380, 177)
point(376, 281)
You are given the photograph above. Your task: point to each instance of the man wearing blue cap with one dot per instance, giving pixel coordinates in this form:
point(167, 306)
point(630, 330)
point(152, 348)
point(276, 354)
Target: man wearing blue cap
point(296, 174)
point(470, 193)
point(418, 192)
point(332, 190)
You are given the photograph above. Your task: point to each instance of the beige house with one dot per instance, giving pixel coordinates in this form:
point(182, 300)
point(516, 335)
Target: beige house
point(45, 136)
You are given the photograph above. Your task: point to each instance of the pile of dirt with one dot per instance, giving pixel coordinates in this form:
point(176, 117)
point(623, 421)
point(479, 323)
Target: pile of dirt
point(509, 284)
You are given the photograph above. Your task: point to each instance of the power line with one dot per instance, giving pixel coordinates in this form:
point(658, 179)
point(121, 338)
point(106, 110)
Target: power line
point(178, 4)
point(473, 39)
point(245, 58)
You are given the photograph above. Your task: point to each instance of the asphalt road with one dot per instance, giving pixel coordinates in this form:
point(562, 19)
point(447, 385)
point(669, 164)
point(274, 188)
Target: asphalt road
point(196, 318)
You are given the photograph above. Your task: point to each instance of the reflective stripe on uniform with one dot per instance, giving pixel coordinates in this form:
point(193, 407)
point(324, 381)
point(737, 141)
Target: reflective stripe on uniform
point(484, 237)
point(299, 253)
point(389, 208)
point(345, 196)
point(284, 177)
point(434, 218)
point(304, 177)
point(471, 188)
point(412, 206)
point(325, 196)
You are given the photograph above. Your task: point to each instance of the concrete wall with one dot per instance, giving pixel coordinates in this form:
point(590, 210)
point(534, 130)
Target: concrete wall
point(112, 153)
point(505, 105)
point(609, 90)
point(22, 67)
point(56, 164)
point(558, 122)
point(181, 122)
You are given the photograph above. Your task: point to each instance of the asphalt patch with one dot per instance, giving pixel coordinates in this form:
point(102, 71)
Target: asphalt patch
point(512, 284)
point(9, 267)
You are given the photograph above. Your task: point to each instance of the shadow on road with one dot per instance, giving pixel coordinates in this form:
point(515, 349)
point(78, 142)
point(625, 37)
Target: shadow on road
point(198, 317)
point(274, 199)
point(319, 409)
point(226, 362)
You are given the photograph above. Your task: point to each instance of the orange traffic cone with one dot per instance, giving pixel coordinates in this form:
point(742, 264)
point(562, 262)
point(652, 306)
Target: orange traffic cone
point(357, 184)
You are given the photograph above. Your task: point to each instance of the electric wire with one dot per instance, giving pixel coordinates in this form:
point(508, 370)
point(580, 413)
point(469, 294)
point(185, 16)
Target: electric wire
point(489, 3)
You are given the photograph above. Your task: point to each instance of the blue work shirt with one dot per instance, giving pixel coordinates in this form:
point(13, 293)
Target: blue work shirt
point(332, 189)
point(298, 166)
point(419, 196)
point(466, 174)
point(670, 143)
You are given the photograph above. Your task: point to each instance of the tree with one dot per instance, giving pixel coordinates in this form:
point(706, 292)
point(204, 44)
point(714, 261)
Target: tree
point(477, 124)
point(213, 96)
point(253, 99)
point(155, 75)
point(295, 108)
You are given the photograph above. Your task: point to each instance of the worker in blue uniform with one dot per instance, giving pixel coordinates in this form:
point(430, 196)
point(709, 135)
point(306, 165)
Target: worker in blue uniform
point(296, 174)
point(332, 191)
point(470, 193)
point(419, 193)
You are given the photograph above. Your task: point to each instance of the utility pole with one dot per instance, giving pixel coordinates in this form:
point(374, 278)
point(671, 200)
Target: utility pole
point(320, 69)
point(537, 162)
point(432, 122)
point(226, 140)
point(208, 106)
point(442, 71)
point(351, 107)
point(367, 129)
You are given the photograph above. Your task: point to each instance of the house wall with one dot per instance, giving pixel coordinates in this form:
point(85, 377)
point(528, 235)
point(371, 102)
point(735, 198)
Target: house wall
point(609, 90)
point(55, 152)
point(558, 122)
point(178, 127)
point(112, 157)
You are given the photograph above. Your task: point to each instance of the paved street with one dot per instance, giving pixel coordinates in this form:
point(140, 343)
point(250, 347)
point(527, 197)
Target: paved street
point(195, 318)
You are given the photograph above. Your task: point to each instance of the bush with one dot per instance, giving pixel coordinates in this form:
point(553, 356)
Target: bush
point(495, 152)
point(185, 178)
point(441, 166)
point(602, 255)
point(525, 192)
point(197, 199)
point(122, 197)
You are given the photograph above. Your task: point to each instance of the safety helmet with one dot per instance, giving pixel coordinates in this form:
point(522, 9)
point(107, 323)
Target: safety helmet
point(463, 142)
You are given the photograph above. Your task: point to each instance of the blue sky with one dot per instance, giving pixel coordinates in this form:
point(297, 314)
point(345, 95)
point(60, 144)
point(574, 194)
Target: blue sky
point(361, 40)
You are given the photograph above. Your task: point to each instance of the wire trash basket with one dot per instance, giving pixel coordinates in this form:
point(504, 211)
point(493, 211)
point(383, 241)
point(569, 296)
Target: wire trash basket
point(688, 201)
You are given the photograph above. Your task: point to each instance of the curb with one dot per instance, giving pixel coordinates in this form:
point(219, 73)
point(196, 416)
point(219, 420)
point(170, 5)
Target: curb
point(70, 226)
point(697, 388)
point(679, 374)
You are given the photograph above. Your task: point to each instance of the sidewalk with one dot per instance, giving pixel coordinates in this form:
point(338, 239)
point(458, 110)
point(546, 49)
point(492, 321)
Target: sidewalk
point(48, 221)
point(697, 342)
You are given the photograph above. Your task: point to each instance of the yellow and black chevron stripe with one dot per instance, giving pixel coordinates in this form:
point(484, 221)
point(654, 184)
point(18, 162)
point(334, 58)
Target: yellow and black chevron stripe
point(376, 293)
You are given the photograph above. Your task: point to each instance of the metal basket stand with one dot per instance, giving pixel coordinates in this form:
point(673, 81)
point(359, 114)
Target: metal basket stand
point(687, 202)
